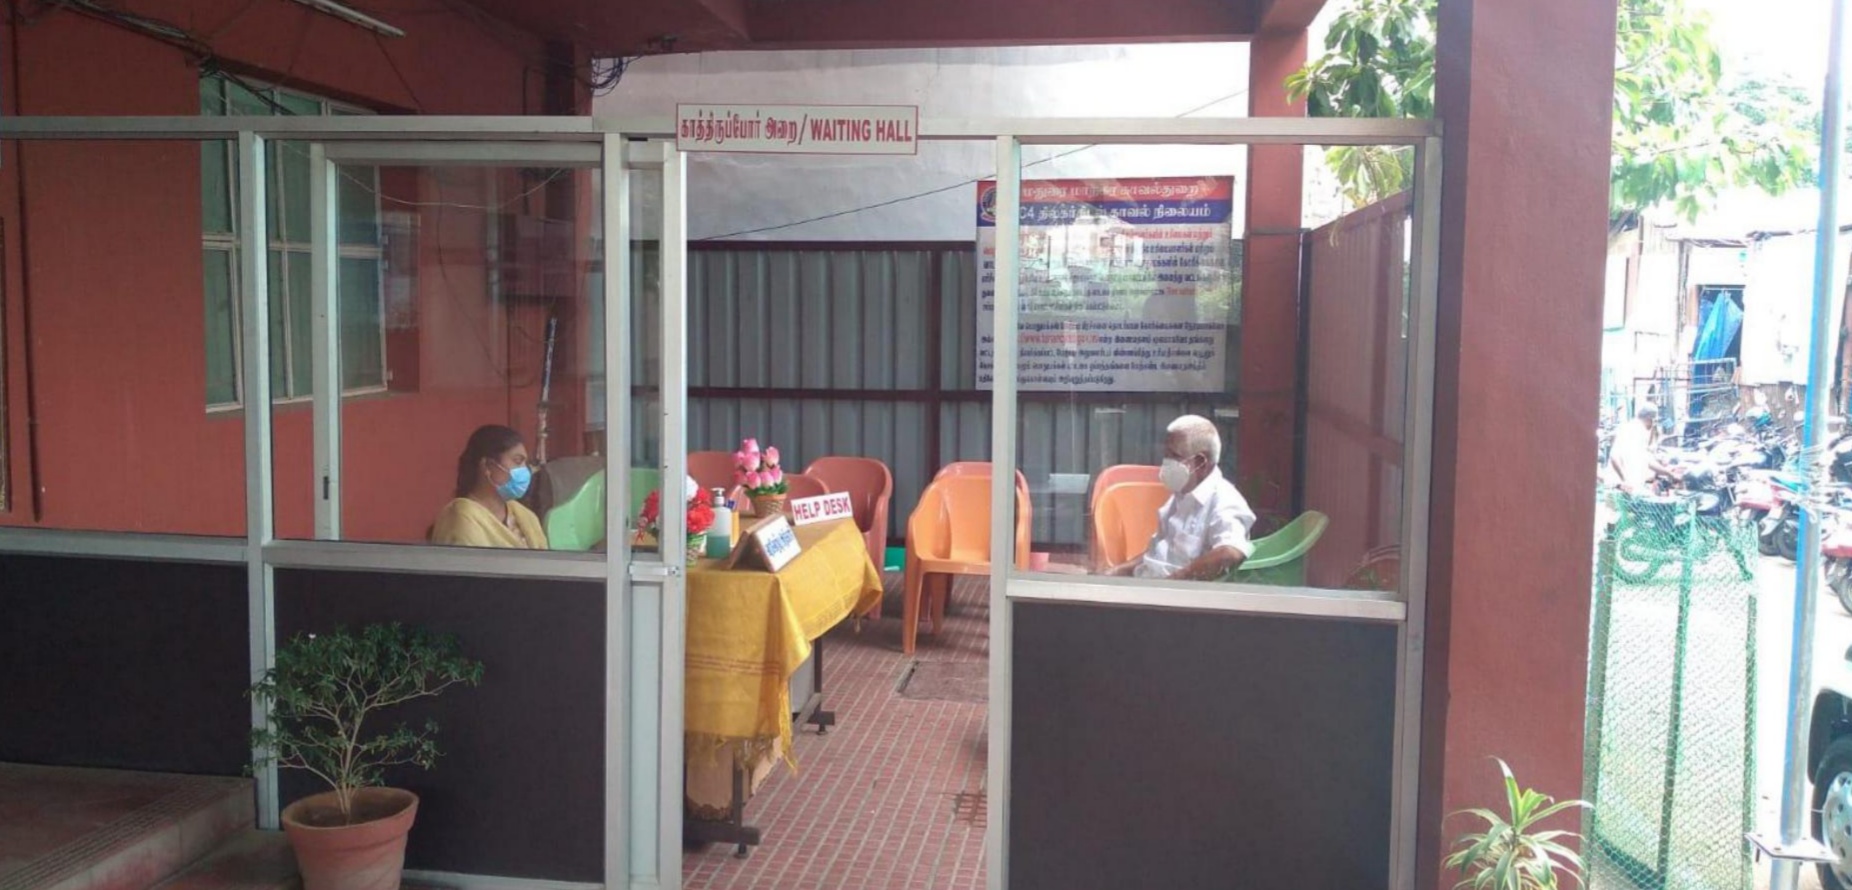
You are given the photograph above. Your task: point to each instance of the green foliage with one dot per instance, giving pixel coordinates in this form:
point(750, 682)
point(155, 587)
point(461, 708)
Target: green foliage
point(1684, 126)
point(325, 687)
point(1511, 854)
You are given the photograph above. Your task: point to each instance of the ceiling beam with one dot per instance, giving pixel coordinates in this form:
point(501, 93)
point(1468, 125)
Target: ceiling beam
point(853, 24)
point(1288, 15)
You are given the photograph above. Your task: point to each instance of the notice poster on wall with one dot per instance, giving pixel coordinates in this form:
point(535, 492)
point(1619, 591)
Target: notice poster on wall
point(1125, 285)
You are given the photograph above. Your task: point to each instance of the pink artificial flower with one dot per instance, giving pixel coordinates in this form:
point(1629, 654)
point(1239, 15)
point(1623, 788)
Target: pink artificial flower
point(778, 476)
point(752, 446)
point(771, 456)
point(739, 477)
point(739, 460)
point(755, 479)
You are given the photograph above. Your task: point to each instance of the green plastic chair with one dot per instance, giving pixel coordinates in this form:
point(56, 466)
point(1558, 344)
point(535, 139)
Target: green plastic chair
point(578, 523)
point(1279, 558)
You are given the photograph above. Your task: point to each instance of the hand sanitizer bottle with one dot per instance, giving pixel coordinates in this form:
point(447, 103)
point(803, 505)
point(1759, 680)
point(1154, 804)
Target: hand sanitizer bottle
point(720, 536)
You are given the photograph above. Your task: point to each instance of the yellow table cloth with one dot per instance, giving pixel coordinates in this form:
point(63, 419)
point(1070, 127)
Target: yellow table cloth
point(749, 631)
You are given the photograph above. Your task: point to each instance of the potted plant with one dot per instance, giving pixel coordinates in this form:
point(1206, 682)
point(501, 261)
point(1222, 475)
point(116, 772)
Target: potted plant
point(700, 519)
point(759, 473)
point(1511, 854)
point(323, 695)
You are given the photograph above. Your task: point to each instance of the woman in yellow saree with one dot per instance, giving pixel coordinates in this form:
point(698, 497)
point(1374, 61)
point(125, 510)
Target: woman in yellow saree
point(492, 475)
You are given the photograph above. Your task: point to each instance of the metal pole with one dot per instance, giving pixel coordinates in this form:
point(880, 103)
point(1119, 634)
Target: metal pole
point(1795, 801)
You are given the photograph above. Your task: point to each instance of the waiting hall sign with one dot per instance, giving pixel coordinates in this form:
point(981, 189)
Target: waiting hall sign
point(1125, 285)
point(799, 129)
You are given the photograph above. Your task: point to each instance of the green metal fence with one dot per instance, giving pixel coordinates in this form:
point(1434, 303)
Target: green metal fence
point(1672, 679)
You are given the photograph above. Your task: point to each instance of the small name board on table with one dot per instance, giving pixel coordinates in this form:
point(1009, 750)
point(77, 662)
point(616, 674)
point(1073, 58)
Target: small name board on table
point(769, 544)
point(799, 129)
point(823, 508)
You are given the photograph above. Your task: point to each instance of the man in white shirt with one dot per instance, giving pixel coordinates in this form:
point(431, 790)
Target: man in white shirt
point(1202, 530)
point(1630, 456)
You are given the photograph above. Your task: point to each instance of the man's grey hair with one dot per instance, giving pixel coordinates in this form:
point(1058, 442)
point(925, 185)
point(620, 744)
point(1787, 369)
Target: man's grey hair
point(1648, 411)
point(1200, 435)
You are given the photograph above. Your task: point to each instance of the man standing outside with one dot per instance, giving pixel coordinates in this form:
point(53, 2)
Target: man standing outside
point(1202, 531)
point(1631, 458)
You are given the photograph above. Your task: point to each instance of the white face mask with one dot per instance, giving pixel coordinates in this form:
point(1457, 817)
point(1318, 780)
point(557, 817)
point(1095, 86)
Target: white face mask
point(1174, 474)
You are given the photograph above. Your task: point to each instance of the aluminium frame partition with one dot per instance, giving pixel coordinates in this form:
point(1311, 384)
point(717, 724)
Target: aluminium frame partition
point(645, 618)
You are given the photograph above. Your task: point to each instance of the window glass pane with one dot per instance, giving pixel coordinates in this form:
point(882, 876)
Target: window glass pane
point(133, 333)
point(243, 102)
point(472, 311)
point(359, 205)
point(301, 302)
point(362, 345)
point(1191, 406)
point(214, 164)
point(221, 328)
point(279, 326)
point(294, 176)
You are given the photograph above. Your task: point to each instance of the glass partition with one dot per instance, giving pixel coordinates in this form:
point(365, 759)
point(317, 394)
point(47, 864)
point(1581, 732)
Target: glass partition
point(1201, 396)
point(459, 329)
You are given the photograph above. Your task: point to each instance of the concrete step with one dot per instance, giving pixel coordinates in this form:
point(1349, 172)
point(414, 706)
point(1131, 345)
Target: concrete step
point(254, 860)
point(87, 829)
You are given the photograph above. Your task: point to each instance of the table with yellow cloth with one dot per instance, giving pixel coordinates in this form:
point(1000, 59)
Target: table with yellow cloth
point(748, 632)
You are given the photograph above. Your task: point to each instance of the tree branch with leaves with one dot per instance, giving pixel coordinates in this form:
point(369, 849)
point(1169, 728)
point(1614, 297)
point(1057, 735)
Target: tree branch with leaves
point(324, 688)
point(1685, 125)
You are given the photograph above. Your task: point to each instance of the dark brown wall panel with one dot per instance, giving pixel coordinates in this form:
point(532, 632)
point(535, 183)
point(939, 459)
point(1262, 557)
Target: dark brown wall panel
point(519, 790)
point(126, 665)
point(1168, 749)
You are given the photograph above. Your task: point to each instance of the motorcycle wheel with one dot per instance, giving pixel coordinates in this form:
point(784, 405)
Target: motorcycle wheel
point(1635, 560)
point(1839, 578)
point(1788, 538)
point(1765, 544)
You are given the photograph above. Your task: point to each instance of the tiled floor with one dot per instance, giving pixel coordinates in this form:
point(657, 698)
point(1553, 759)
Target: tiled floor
point(893, 796)
point(100, 828)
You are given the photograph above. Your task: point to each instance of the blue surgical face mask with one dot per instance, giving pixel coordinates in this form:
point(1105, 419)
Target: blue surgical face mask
point(516, 486)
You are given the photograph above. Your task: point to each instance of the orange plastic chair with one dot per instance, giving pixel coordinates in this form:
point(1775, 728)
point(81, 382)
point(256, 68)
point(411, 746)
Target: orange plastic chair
point(1124, 520)
point(871, 485)
point(1116, 474)
point(1106, 479)
point(949, 534)
point(981, 468)
point(711, 469)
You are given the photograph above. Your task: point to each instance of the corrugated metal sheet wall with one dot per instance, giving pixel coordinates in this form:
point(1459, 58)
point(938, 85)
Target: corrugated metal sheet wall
point(1356, 364)
point(868, 352)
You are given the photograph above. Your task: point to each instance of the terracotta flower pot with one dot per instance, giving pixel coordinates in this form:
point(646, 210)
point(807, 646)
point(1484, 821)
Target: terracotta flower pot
point(368, 854)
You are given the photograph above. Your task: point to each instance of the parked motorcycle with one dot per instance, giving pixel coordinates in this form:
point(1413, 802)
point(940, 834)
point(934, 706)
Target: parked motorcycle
point(1836, 552)
point(1655, 530)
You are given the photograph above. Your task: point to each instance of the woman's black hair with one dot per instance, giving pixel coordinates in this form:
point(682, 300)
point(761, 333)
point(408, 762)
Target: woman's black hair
point(486, 443)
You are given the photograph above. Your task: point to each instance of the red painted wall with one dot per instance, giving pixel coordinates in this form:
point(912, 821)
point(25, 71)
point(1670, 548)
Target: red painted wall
point(1526, 92)
point(104, 317)
point(1264, 446)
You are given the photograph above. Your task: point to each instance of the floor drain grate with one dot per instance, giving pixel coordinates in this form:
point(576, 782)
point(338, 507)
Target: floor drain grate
point(968, 807)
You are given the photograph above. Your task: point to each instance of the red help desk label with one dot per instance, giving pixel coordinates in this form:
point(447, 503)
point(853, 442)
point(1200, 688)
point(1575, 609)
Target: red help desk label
point(823, 508)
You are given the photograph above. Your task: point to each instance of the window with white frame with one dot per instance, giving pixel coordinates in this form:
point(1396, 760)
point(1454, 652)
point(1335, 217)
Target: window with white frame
point(360, 251)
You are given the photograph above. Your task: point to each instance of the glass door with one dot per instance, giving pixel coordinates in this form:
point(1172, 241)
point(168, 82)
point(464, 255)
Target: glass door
point(429, 296)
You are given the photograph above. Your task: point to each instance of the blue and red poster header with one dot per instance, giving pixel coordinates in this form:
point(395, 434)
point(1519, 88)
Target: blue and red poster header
point(1137, 202)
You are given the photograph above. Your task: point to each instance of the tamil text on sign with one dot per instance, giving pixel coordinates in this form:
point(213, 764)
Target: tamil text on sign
point(1125, 285)
point(799, 129)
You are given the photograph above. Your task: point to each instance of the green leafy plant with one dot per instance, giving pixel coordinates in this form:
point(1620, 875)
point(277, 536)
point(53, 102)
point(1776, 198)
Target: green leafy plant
point(1511, 854)
point(1685, 124)
point(325, 688)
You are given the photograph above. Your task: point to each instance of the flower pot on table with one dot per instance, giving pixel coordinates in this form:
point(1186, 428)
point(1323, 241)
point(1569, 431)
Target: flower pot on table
point(764, 505)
